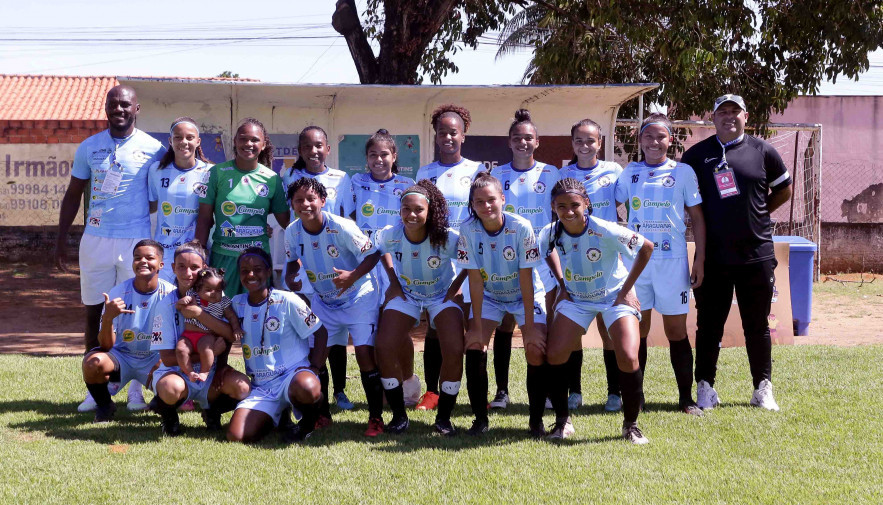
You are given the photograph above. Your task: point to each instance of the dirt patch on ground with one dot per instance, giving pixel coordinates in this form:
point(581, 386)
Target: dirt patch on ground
point(43, 315)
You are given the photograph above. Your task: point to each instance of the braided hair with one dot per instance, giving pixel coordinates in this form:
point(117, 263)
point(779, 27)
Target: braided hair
point(265, 157)
point(451, 110)
point(437, 213)
point(309, 183)
point(383, 137)
point(583, 122)
point(300, 164)
point(265, 256)
point(208, 273)
point(522, 116)
point(566, 185)
point(169, 157)
point(482, 180)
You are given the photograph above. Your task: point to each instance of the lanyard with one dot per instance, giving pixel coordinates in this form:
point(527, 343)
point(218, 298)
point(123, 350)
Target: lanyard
point(723, 163)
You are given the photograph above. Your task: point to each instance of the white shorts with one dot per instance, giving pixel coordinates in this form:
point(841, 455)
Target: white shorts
point(104, 263)
point(271, 397)
point(413, 307)
point(381, 280)
point(494, 311)
point(583, 313)
point(131, 368)
point(664, 285)
point(358, 320)
point(196, 391)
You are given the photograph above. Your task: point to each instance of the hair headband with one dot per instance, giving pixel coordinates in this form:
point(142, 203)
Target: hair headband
point(656, 123)
point(416, 193)
point(263, 260)
point(176, 123)
point(190, 250)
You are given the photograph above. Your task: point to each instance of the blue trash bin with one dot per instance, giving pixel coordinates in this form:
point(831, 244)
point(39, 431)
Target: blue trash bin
point(801, 266)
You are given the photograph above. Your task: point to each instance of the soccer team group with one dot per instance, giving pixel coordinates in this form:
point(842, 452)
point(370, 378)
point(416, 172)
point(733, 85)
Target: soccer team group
point(477, 251)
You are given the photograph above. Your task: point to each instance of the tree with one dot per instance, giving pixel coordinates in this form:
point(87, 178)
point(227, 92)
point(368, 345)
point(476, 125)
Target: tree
point(415, 35)
point(766, 50)
point(228, 74)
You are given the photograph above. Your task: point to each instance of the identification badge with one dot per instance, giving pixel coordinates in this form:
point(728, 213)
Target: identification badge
point(726, 183)
point(112, 181)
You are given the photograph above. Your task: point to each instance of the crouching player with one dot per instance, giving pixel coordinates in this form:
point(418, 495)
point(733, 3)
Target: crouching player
point(135, 313)
point(594, 282)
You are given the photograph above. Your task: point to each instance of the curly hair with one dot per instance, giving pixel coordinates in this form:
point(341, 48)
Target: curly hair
point(583, 122)
point(482, 180)
point(522, 116)
point(309, 183)
point(383, 137)
point(300, 164)
point(450, 109)
point(566, 185)
point(169, 157)
point(437, 214)
point(150, 243)
point(265, 157)
point(207, 273)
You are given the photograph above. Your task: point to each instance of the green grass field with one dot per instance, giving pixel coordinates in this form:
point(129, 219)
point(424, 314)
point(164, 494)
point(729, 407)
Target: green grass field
point(824, 447)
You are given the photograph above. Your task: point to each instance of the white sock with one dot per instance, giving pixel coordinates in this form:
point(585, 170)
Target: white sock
point(389, 383)
point(451, 388)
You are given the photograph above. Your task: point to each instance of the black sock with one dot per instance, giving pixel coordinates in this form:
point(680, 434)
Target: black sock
point(337, 365)
point(476, 382)
point(395, 397)
point(537, 389)
point(632, 393)
point(168, 413)
point(324, 402)
point(557, 386)
point(575, 372)
point(682, 362)
point(223, 403)
point(309, 413)
point(612, 370)
point(93, 323)
point(432, 362)
point(373, 393)
point(446, 402)
point(642, 355)
point(100, 394)
point(502, 353)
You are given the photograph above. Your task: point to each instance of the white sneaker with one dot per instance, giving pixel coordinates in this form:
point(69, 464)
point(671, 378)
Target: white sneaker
point(614, 403)
point(136, 397)
point(411, 389)
point(633, 434)
point(574, 401)
point(763, 396)
point(549, 404)
point(706, 396)
point(88, 404)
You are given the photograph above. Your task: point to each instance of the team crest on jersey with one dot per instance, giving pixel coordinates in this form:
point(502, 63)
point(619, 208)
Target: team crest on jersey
point(332, 251)
point(368, 209)
point(539, 187)
point(167, 209)
point(315, 245)
point(666, 245)
point(246, 351)
point(509, 208)
point(128, 336)
point(593, 254)
point(262, 190)
point(668, 181)
point(509, 253)
point(272, 323)
point(464, 181)
point(636, 203)
point(228, 208)
point(433, 262)
point(604, 181)
point(397, 192)
point(200, 189)
point(331, 192)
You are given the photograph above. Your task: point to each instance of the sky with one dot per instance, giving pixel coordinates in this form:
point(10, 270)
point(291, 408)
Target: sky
point(286, 41)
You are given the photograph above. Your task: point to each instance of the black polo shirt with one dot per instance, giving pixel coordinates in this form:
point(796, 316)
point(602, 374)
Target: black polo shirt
point(739, 229)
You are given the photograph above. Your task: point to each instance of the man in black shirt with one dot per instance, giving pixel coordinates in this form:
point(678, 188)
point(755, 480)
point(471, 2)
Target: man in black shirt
point(742, 180)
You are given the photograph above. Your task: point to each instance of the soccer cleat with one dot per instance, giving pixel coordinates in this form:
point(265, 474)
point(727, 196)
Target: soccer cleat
point(323, 421)
point(537, 430)
point(187, 406)
point(706, 396)
point(342, 401)
point(574, 401)
point(105, 414)
point(171, 428)
point(375, 427)
point(549, 404)
point(411, 391)
point(632, 433)
point(429, 401)
point(479, 427)
point(763, 396)
point(88, 404)
point(691, 408)
point(614, 403)
point(444, 427)
point(397, 426)
point(212, 419)
point(501, 400)
point(562, 430)
point(136, 397)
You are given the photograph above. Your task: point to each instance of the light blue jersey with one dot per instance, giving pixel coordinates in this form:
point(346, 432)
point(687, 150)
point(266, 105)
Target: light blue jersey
point(337, 185)
point(655, 196)
point(340, 244)
point(600, 184)
point(499, 256)
point(378, 203)
point(177, 194)
point(117, 173)
point(425, 272)
point(593, 270)
point(152, 323)
point(528, 192)
point(453, 181)
point(277, 334)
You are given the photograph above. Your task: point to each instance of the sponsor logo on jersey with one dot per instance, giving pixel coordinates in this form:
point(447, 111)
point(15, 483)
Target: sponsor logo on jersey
point(653, 204)
point(156, 337)
point(462, 256)
point(246, 351)
point(128, 336)
point(406, 279)
point(484, 276)
point(227, 229)
point(311, 276)
point(539, 187)
point(509, 253)
point(666, 245)
point(332, 251)
point(311, 320)
point(530, 210)
point(668, 181)
point(368, 209)
point(272, 323)
point(327, 277)
point(166, 208)
point(588, 278)
point(315, 245)
point(228, 208)
point(331, 230)
point(568, 275)
point(633, 242)
point(636, 203)
point(415, 254)
point(509, 208)
point(493, 246)
point(264, 351)
point(503, 278)
point(185, 210)
point(242, 209)
point(94, 221)
point(593, 254)
point(200, 189)
point(241, 247)
point(532, 254)
point(509, 231)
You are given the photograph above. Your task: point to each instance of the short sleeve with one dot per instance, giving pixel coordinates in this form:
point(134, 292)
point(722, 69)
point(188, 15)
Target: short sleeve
point(279, 205)
point(290, 243)
point(620, 190)
point(356, 241)
point(691, 185)
point(212, 190)
point(345, 196)
point(300, 318)
point(620, 238)
point(776, 172)
point(528, 250)
point(152, 180)
point(465, 250)
point(543, 241)
point(450, 251)
point(81, 168)
point(164, 329)
point(380, 239)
